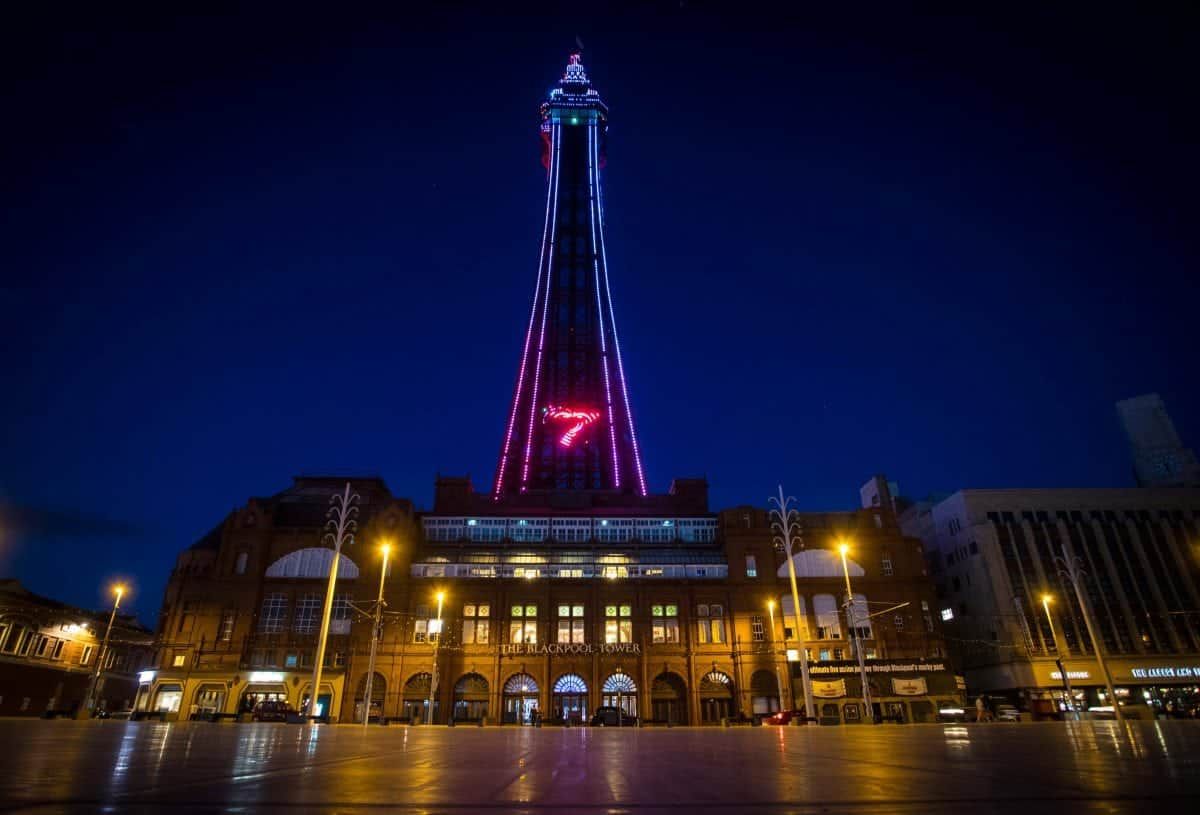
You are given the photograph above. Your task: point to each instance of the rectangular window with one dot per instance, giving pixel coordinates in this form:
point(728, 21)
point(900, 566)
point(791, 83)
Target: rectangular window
point(823, 655)
point(757, 631)
point(476, 624)
point(664, 623)
point(711, 623)
point(240, 567)
point(618, 627)
point(308, 608)
point(274, 613)
point(86, 655)
point(226, 634)
point(179, 661)
point(886, 564)
point(751, 566)
point(570, 624)
point(42, 645)
point(898, 622)
point(837, 653)
point(523, 628)
point(421, 624)
point(58, 649)
point(291, 660)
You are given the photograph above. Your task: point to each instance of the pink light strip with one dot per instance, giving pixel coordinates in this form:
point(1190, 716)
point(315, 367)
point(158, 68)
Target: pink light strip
point(556, 130)
point(593, 186)
point(512, 416)
point(582, 419)
point(637, 456)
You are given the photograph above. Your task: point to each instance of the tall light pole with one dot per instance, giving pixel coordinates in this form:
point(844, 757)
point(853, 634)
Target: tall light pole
point(433, 680)
point(376, 631)
point(1060, 646)
point(852, 619)
point(93, 686)
point(774, 651)
point(787, 522)
point(1070, 570)
point(341, 526)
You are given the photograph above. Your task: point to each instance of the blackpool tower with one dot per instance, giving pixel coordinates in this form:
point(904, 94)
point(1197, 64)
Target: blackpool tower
point(570, 425)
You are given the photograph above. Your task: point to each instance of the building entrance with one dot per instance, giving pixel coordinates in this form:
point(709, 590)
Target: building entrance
point(716, 697)
point(570, 699)
point(668, 699)
point(620, 691)
point(520, 699)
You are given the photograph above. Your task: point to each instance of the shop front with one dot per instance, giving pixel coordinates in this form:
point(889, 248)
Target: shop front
point(901, 691)
point(1145, 687)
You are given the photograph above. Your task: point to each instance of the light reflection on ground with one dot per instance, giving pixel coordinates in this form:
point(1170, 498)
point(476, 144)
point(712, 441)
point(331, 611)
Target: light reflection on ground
point(69, 766)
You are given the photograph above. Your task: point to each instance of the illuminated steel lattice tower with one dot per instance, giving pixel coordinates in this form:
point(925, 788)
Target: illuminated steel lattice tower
point(570, 426)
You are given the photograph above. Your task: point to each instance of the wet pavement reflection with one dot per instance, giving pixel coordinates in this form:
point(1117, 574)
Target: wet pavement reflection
point(68, 766)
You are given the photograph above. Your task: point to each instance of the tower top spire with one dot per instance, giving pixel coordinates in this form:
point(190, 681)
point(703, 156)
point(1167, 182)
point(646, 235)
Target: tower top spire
point(575, 73)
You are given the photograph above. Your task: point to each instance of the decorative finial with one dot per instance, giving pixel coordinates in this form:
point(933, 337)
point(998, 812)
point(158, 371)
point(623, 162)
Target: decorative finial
point(575, 74)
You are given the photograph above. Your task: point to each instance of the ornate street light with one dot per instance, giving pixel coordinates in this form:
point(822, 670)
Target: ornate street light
point(341, 526)
point(787, 528)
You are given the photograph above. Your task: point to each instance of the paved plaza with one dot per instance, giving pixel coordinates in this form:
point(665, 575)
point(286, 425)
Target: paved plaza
point(68, 766)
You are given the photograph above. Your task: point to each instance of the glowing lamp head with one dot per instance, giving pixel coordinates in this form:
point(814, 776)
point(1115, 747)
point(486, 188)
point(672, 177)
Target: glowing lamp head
point(770, 605)
point(385, 548)
point(844, 549)
point(119, 590)
point(441, 595)
point(1047, 599)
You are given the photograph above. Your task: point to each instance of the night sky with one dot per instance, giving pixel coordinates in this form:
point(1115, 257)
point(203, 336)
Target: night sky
point(239, 247)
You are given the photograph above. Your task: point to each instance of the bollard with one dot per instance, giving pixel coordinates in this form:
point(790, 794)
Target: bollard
point(451, 722)
point(479, 723)
point(724, 721)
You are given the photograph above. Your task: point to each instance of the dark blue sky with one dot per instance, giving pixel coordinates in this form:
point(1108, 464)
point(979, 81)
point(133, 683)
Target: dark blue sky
point(242, 247)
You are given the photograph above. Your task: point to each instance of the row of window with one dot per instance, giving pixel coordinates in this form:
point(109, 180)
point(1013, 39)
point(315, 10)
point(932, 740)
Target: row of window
point(26, 642)
point(571, 530)
point(712, 570)
point(274, 616)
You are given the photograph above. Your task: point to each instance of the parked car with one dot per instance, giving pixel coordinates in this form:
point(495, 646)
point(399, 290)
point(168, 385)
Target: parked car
point(951, 713)
point(1007, 713)
point(612, 717)
point(268, 711)
point(784, 717)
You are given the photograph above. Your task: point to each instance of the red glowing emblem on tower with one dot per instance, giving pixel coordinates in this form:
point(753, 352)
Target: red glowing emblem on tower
point(578, 418)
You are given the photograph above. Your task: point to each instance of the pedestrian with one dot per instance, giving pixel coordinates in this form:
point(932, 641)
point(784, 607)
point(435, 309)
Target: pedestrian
point(980, 708)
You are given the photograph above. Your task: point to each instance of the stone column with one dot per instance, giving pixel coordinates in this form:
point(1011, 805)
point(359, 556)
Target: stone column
point(1139, 546)
point(1105, 546)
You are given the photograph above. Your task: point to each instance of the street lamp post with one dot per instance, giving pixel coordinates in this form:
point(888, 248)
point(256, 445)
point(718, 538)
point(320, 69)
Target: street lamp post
point(851, 618)
point(1070, 570)
point(341, 526)
point(376, 631)
point(437, 644)
point(774, 651)
point(1060, 646)
point(94, 685)
point(787, 521)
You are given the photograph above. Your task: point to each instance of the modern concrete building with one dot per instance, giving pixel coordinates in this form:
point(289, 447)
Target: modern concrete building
point(995, 554)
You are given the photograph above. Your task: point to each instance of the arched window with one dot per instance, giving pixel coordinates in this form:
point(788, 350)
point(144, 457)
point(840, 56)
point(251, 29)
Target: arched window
point(570, 683)
point(820, 563)
point(521, 684)
point(826, 608)
point(312, 562)
point(620, 682)
point(715, 682)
